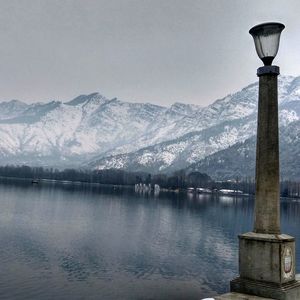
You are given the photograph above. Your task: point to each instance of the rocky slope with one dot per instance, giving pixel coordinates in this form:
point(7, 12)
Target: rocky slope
point(238, 161)
point(93, 131)
point(229, 121)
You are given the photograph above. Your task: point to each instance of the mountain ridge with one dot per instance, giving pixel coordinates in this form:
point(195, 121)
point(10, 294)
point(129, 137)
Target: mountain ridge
point(96, 132)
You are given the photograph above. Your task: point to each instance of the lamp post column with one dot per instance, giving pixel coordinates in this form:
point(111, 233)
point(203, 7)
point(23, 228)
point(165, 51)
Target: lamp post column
point(267, 209)
point(267, 262)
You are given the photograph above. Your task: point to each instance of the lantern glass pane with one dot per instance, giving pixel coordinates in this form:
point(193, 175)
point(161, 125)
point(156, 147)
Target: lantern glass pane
point(266, 39)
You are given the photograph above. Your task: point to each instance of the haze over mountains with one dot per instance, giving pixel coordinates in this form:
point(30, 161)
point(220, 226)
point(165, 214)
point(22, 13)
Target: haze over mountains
point(95, 132)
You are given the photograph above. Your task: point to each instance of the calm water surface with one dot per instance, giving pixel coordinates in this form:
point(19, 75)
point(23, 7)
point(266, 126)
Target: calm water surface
point(87, 242)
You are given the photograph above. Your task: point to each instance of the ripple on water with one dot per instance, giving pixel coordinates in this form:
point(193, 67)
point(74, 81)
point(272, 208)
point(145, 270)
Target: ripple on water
point(62, 243)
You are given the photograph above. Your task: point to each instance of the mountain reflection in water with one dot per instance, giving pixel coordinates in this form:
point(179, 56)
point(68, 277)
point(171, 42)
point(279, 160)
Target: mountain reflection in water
point(90, 242)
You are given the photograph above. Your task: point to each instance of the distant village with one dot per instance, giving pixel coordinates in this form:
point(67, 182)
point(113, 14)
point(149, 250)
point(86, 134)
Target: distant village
point(179, 181)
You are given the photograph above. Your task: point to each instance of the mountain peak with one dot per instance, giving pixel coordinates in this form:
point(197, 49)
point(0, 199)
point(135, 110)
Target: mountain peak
point(183, 108)
point(171, 137)
point(82, 99)
point(13, 102)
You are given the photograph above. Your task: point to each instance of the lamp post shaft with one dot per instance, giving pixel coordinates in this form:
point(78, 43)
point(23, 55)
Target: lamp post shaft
point(267, 209)
point(267, 257)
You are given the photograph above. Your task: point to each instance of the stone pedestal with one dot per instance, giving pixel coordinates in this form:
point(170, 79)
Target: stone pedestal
point(238, 296)
point(267, 266)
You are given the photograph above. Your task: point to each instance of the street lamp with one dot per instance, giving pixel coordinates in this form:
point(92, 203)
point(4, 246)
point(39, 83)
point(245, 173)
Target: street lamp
point(267, 257)
point(266, 39)
point(267, 209)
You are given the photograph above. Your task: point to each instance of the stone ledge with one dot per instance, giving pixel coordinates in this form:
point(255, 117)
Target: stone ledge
point(275, 238)
point(239, 296)
point(287, 291)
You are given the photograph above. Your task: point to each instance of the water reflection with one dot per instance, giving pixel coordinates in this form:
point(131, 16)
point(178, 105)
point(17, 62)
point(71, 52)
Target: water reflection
point(85, 241)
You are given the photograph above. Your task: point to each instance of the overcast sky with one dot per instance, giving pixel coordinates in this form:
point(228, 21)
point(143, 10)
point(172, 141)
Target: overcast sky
point(158, 51)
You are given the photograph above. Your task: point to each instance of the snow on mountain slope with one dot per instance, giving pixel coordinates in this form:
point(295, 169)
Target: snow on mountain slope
point(112, 133)
point(220, 125)
point(190, 148)
point(71, 132)
point(239, 160)
point(12, 109)
point(180, 152)
point(232, 107)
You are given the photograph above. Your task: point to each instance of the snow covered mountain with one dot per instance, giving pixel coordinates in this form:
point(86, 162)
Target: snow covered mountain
point(66, 134)
point(239, 160)
point(93, 131)
point(217, 127)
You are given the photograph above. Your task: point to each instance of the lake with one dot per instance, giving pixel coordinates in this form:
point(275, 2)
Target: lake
point(62, 241)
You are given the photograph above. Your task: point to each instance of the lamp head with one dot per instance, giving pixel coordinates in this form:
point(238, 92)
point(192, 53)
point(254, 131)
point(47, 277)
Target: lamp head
point(266, 39)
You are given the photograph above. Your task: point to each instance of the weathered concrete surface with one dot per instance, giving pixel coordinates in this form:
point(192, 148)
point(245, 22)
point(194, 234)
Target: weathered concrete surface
point(238, 296)
point(287, 291)
point(267, 210)
point(263, 257)
point(266, 257)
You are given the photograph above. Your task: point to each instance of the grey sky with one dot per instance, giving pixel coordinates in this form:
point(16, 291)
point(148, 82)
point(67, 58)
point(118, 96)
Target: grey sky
point(158, 51)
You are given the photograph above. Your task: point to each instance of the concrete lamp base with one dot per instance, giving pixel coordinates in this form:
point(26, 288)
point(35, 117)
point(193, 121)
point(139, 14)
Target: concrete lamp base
point(267, 290)
point(267, 266)
point(238, 296)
